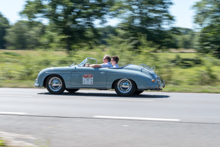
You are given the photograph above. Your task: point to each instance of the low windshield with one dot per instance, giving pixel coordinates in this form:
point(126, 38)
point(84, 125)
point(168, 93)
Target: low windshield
point(88, 60)
point(83, 62)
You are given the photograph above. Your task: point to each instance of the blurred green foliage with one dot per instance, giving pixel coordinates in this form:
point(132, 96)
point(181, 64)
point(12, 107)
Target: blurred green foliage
point(208, 17)
point(149, 17)
point(207, 77)
point(144, 35)
point(23, 36)
point(11, 53)
point(71, 24)
point(4, 25)
point(185, 38)
point(2, 143)
point(176, 68)
point(73, 20)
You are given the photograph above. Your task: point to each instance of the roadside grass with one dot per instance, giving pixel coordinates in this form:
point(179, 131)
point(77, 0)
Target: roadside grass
point(183, 72)
point(2, 143)
point(17, 83)
point(5, 143)
point(192, 89)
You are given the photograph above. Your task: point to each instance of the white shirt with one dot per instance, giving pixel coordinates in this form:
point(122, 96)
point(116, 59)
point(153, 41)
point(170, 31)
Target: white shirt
point(115, 66)
point(106, 65)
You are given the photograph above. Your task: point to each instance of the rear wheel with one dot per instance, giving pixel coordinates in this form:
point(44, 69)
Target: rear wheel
point(55, 84)
point(125, 87)
point(72, 90)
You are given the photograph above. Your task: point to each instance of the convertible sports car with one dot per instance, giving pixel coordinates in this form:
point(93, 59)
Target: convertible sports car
point(126, 80)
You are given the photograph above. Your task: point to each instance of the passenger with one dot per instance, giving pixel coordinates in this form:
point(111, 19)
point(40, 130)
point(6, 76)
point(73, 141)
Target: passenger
point(106, 63)
point(115, 60)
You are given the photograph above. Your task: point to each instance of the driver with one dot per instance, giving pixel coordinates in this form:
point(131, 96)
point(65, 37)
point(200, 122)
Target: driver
point(106, 63)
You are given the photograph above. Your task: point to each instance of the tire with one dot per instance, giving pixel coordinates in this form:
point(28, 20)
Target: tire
point(125, 87)
point(55, 84)
point(137, 92)
point(72, 90)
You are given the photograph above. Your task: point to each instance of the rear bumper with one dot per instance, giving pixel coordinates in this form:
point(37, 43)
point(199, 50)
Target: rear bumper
point(159, 86)
point(163, 84)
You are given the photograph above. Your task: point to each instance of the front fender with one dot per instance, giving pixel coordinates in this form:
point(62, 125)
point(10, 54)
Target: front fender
point(42, 77)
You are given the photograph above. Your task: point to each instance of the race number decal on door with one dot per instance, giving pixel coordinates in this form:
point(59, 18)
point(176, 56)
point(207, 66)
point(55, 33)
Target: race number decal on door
point(88, 79)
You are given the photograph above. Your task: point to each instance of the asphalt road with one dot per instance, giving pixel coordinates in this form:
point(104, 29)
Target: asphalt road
point(91, 118)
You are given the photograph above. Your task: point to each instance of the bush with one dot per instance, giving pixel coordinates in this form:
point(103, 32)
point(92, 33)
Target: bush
point(65, 61)
point(207, 77)
point(30, 68)
point(8, 73)
point(11, 53)
point(45, 62)
point(186, 62)
point(166, 73)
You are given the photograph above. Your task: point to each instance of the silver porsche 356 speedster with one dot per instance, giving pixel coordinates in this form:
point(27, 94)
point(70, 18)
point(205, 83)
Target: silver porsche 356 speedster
point(126, 80)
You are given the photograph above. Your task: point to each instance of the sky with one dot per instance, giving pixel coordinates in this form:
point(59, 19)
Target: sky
point(181, 10)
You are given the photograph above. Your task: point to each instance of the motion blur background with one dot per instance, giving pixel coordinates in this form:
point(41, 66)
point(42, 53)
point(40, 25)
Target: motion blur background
point(180, 38)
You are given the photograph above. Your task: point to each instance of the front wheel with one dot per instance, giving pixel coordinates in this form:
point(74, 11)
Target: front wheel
point(125, 87)
point(55, 84)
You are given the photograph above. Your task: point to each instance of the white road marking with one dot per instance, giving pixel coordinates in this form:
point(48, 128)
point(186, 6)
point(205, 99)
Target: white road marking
point(16, 113)
point(15, 96)
point(137, 118)
point(104, 99)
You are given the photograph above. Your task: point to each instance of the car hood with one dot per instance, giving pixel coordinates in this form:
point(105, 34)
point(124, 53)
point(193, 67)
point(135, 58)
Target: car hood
point(66, 68)
point(59, 68)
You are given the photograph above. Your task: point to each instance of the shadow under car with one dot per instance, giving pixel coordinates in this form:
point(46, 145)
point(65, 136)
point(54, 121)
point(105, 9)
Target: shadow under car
point(106, 95)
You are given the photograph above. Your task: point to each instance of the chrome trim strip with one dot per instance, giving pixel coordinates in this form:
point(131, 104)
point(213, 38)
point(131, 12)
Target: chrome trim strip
point(60, 72)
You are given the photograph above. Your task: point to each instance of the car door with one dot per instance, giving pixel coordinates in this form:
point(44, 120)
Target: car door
point(86, 77)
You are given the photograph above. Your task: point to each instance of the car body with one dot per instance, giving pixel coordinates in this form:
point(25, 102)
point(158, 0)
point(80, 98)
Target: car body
point(133, 78)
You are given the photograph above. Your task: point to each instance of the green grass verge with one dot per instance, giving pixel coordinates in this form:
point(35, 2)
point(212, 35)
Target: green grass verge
point(192, 89)
point(2, 143)
point(168, 88)
point(17, 83)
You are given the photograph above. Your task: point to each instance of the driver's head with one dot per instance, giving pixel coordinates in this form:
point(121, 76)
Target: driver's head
point(106, 59)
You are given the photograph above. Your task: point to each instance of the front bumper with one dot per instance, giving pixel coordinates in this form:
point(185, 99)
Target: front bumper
point(36, 84)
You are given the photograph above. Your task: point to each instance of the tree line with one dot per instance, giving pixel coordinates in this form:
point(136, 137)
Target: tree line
point(71, 25)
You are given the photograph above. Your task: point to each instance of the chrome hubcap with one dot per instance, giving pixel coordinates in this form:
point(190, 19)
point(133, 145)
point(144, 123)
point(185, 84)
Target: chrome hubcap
point(55, 84)
point(124, 85)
